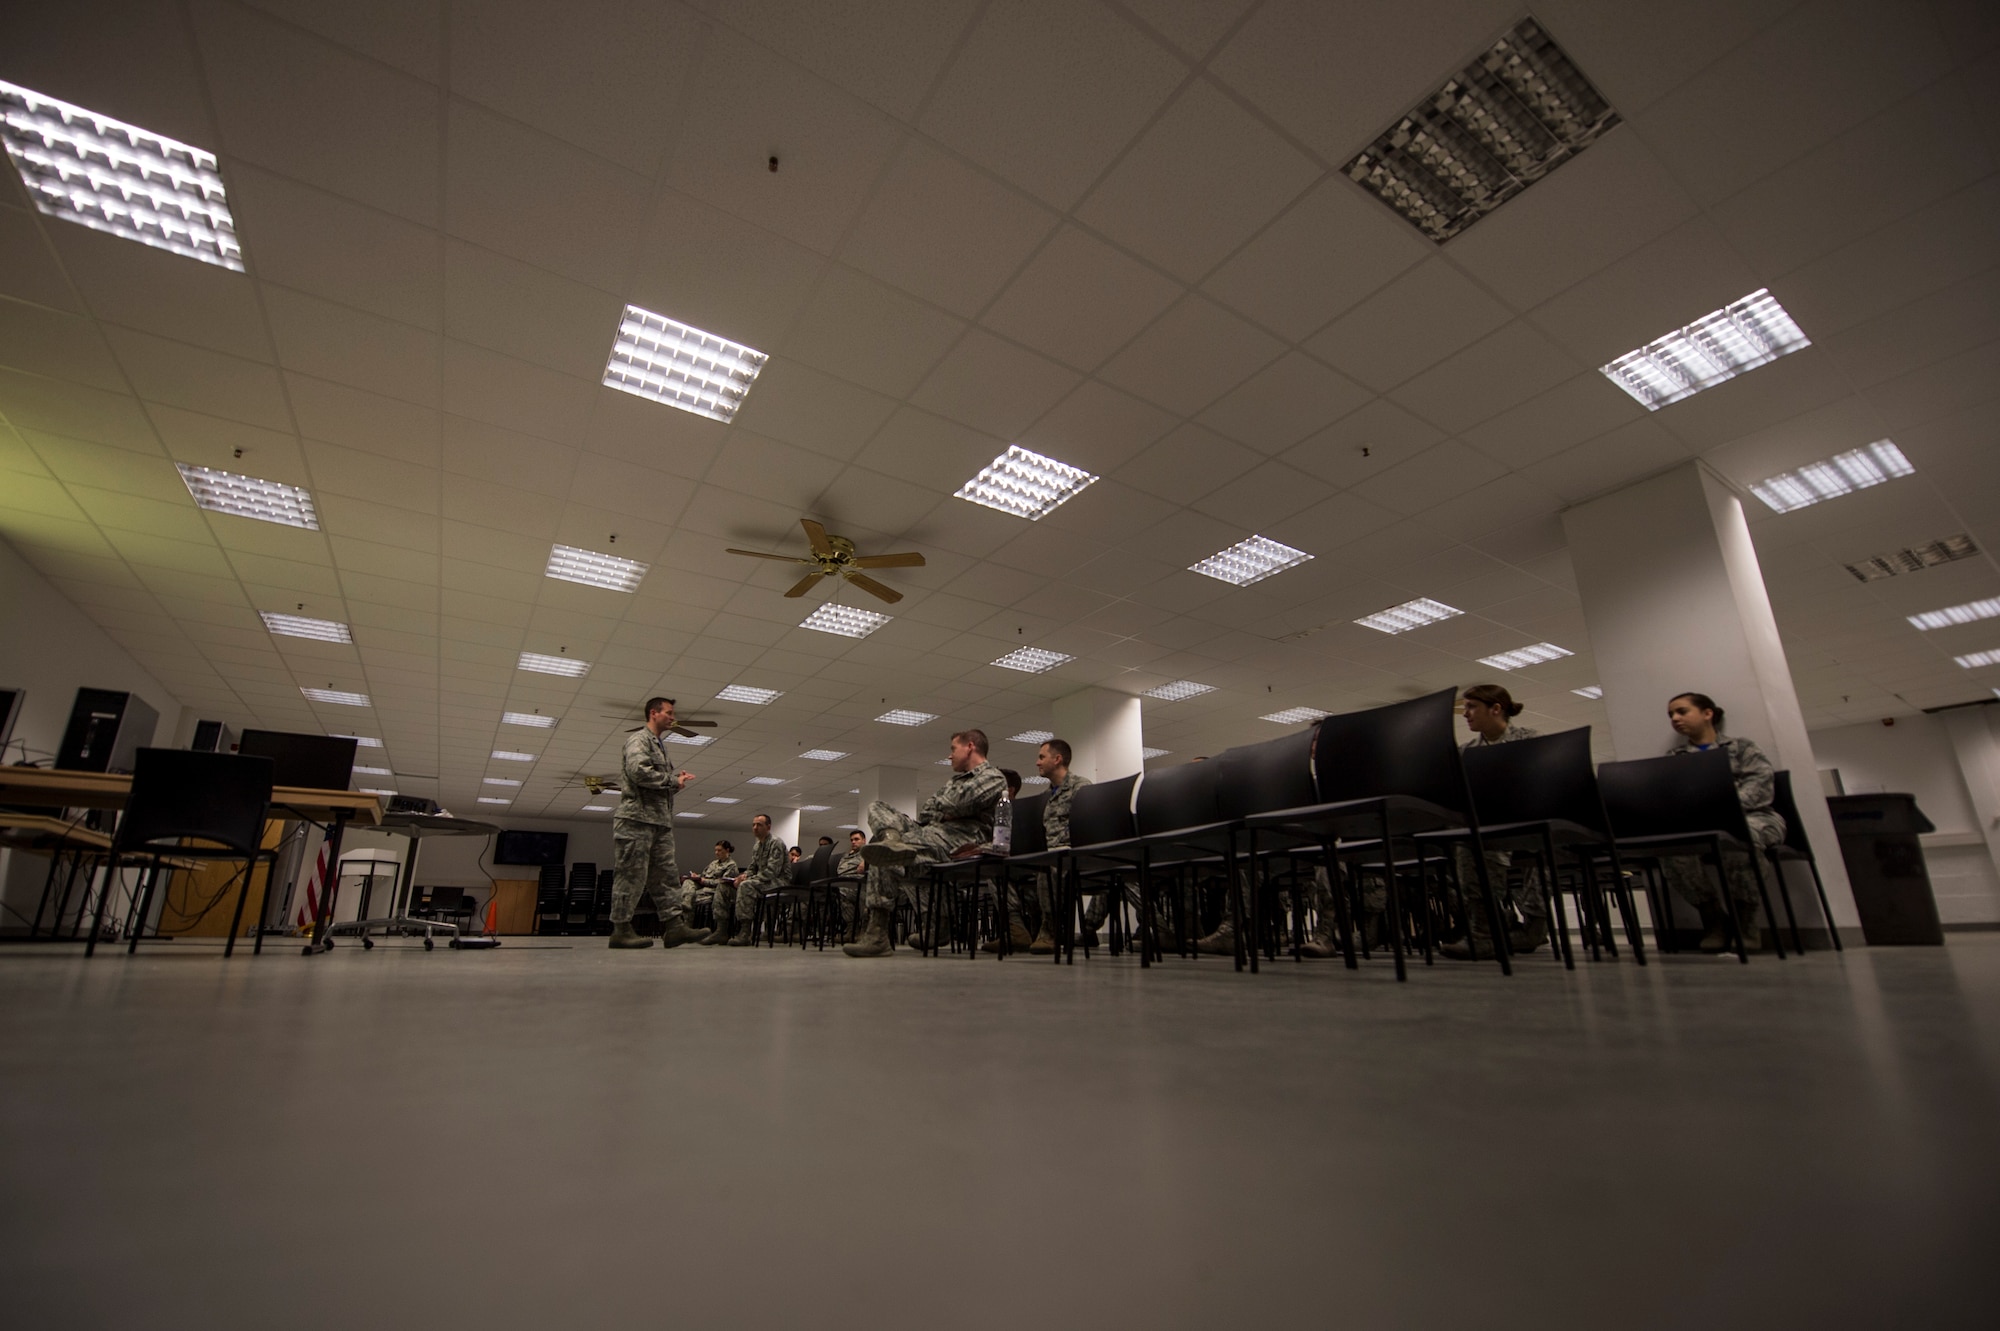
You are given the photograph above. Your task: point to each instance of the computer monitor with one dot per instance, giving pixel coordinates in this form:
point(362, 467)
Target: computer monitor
point(521, 847)
point(308, 762)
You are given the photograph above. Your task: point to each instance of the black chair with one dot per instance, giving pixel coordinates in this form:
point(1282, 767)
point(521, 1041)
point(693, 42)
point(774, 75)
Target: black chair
point(549, 900)
point(1540, 795)
point(1684, 804)
point(600, 906)
point(1795, 847)
point(1099, 814)
point(449, 905)
point(1385, 773)
point(798, 899)
point(1264, 777)
point(581, 903)
point(191, 806)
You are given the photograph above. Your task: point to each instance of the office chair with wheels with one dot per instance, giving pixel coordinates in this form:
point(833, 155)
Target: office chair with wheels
point(191, 806)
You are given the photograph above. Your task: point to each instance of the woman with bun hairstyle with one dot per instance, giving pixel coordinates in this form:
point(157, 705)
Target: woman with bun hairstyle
point(1698, 722)
point(1489, 712)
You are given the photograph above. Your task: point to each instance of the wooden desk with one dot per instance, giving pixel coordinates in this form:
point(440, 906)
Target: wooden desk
point(110, 790)
point(42, 832)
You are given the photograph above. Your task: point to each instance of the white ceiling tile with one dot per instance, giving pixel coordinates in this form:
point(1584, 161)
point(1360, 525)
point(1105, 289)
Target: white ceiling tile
point(1338, 75)
point(487, 386)
point(1428, 479)
point(1204, 178)
point(1500, 371)
point(993, 386)
point(1194, 354)
point(115, 511)
point(28, 267)
point(1187, 464)
point(34, 403)
point(311, 111)
point(352, 347)
point(1288, 400)
point(703, 267)
point(644, 433)
point(751, 464)
point(1603, 464)
point(943, 231)
point(859, 329)
point(330, 246)
point(746, 106)
point(1649, 293)
point(1193, 25)
point(1045, 94)
point(528, 313)
point(1268, 493)
point(160, 292)
point(802, 406)
point(1079, 300)
point(1097, 428)
point(1634, 54)
point(368, 421)
point(553, 69)
point(929, 450)
point(523, 461)
point(205, 381)
point(885, 51)
point(1571, 412)
point(1411, 324)
point(60, 346)
point(536, 199)
point(403, 33)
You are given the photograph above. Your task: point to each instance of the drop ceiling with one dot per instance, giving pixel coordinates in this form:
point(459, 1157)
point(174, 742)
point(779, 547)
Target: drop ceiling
point(1115, 234)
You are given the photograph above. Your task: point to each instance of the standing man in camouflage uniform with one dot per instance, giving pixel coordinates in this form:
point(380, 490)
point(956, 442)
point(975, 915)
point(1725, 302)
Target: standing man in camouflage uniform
point(723, 866)
point(960, 814)
point(1489, 712)
point(642, 833)
point(1698, 721)
point(737, 898)
point(1052, 761)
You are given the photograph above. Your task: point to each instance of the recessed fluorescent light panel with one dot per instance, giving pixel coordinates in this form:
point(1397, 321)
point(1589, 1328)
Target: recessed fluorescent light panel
point(1179, 689)
point(696, 740)
point(489, 799)
point(509, 756)
point(372, 771)
point(1857, 469)
point(1969, 613)
point(375, 790)
point(1154, 753)
point(499, 781)
point(535, 719)
point(666, 360)
point(824, 755)
point(766, 781)
point(846, 620)
point(595, 570)
point(1593, 692)
point(298, 626)
point(689, 813)
point(1032, 737)
point(724, 799)
point(117, 178)
point(1409, 615)
point(1713, 349)
point(1250, 561)
point(1496, 127)
point(1032, 660)
point(360, 740)
point(1978, 659)
point(249, 497)
point(1295, 716)
point(745, 693)
point(1522, 657)
point(902, 716)
point(339, 696)
point(599, 808)
point(567, 666)
point(1025, 484)
point(1913, 560)
point(814, 808)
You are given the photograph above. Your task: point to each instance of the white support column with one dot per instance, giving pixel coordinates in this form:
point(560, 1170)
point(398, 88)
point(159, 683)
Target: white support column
point(1975, 740)
point(785, 826)
point(1106, 731)
point(894, 786)
point(1674, 601)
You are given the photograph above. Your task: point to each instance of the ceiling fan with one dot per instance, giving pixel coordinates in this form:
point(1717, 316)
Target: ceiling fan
point(629, 715)
point(833, 556)
point(592, 782)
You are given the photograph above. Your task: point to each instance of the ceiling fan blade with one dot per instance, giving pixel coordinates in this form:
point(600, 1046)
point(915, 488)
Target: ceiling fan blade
point(706, 725)
point(907, 559)
point(874, 588)
point(816, 537)
point(759, 554)
point(805, 584)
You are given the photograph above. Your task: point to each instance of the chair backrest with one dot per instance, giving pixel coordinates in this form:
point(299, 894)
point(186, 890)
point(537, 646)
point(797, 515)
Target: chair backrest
point(1101, 812)
point(1030, 837)
point(446, 898)
point(1683, 794)
point(1406, 748)
point(1532, 780)
point(217, 797)
point(1176, 797)
point(1265, 777)
point(1786, 806)
point(822, 861)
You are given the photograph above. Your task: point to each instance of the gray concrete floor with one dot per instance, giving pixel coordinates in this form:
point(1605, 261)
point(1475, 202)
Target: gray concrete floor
point(558, 1137)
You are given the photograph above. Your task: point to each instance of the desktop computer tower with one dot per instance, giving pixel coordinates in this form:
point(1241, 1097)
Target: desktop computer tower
point(213, 737)
point(105, 730)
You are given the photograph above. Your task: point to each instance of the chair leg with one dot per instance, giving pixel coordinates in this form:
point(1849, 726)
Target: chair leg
point(1555, 902)
point(1825, 911)
point(1764, 895)
point(1492, 904)
point(144, 907)
point(242, 896)
point(1791, 917)
point(1342, 917)
point(1395, 902)
point(1728, 899)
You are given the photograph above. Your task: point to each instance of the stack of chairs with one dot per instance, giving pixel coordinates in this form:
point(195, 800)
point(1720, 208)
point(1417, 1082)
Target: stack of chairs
point(580, 903)
point(549, 900)
point(600, 914)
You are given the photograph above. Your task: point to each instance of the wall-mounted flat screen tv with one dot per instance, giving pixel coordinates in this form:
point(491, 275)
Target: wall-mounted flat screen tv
point(530, 847)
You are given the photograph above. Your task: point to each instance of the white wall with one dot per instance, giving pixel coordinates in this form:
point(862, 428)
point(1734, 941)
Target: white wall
point(49, 648)
point(1916, 757)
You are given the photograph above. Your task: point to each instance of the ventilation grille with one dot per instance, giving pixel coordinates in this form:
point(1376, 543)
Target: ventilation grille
point(1494, 128)
point(1877, 567)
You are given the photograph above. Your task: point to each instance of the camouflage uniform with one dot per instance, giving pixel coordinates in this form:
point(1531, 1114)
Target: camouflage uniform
point(959, 814)
point(1756, 787)
point(770, 866)
point(711, 878)
point(1055, 810)
point(642, 831)
point(1530, 901)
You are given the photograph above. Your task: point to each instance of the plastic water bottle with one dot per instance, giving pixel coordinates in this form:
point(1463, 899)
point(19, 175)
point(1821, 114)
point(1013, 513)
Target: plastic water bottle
point(1003, 826)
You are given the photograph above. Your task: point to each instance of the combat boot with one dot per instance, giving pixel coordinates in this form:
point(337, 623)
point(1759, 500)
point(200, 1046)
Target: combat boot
point(745, 935)
point(1716, 939)
point(1534, 932)
point(874, 940)
point(1477, 945)
point(1221, 943)
point(889, 849)
point(1044, 943)
point(677, 931)
point(1018, 939)
point(718, 934)
point(624, 935)
point(1321, 944)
